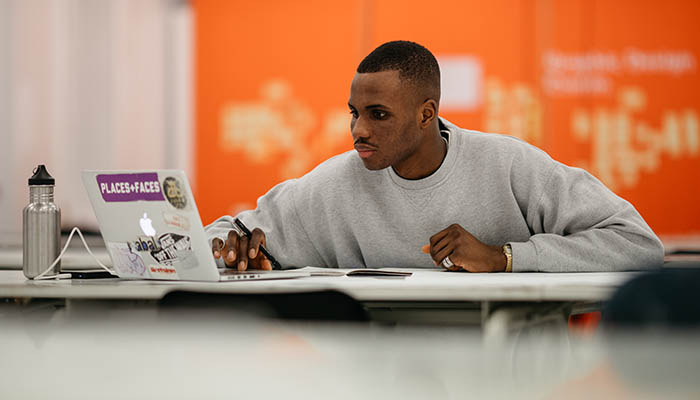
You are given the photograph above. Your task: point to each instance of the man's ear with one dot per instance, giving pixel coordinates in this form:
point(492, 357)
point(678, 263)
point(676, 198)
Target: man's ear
point(429, 112)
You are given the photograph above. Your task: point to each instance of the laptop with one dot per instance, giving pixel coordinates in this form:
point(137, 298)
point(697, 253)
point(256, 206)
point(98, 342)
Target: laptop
point(151, 227)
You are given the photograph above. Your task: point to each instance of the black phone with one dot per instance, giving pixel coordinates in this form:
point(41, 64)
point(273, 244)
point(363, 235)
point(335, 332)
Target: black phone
point(89, 274)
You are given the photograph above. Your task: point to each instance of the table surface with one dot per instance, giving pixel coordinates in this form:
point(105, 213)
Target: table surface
point(422, 286)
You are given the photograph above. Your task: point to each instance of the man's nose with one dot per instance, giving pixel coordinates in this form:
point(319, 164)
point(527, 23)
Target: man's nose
point(359, 129)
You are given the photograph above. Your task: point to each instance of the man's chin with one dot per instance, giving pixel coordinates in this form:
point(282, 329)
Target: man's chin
point(373, 165)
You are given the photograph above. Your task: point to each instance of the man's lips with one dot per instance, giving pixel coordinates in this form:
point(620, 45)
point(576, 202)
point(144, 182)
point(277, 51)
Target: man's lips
point(365, 151)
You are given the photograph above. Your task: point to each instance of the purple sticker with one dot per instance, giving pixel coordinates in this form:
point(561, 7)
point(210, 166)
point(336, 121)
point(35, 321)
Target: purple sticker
point(130, 187)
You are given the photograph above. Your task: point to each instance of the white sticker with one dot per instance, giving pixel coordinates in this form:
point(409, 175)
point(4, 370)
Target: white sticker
point(162, 272)
point(126, 263)
point(176, 220)
point(186, 260)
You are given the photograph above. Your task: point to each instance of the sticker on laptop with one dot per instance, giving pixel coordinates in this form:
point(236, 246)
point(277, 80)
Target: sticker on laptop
point(130, 187)
point(175, 192)
point(126, 262)
point(176, 250)
point(176, 220)
point(169, 249)
point(162, 272)
point(186, 260)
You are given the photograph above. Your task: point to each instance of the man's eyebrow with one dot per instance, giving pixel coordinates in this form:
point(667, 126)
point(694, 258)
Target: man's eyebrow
point(371, 106)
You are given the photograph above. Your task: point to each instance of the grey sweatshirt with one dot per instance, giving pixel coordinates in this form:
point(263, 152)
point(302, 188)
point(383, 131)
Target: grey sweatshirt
point(500, 189)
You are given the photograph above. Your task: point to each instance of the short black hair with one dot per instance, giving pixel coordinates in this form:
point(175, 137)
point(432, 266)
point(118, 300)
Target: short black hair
point(415, 64)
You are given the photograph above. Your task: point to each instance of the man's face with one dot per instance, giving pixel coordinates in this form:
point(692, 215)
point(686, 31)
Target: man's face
point(385, 116)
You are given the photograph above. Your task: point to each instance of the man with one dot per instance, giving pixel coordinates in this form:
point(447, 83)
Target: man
point(471, 201)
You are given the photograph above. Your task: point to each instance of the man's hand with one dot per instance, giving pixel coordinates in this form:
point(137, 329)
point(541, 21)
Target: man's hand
point(241, 252)
point(465, 251)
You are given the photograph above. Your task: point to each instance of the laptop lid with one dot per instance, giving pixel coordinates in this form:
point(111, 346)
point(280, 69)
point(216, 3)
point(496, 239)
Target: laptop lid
point(150, 224)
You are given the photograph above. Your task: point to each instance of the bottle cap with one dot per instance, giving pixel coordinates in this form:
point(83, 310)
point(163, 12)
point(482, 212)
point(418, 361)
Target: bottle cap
point(41, 176)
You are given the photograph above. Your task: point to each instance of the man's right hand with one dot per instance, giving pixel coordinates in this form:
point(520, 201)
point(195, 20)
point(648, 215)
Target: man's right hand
point(240, 252)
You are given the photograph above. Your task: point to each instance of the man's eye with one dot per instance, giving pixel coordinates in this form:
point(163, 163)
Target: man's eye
point(353, 113)
point(377, 114)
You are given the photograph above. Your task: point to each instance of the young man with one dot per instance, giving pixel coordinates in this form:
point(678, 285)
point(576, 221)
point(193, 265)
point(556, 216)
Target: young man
point(418, 191)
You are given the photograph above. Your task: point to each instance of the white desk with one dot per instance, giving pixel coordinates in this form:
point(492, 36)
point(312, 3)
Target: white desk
point(501, 302)
point(422, 286)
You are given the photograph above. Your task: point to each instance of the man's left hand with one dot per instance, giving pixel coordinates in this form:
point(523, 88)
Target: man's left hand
point(465, 251)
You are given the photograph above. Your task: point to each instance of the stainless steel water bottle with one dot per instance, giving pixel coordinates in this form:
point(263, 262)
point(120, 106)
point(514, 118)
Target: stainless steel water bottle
point(41, 223)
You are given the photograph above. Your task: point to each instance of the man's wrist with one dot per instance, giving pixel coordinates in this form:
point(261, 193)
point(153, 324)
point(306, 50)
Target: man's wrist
point(499, 259)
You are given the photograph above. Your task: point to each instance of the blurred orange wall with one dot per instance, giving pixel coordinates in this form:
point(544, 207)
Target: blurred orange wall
point(611, 86)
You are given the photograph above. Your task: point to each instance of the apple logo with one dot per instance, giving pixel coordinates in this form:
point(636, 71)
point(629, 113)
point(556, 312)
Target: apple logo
point(147, 226)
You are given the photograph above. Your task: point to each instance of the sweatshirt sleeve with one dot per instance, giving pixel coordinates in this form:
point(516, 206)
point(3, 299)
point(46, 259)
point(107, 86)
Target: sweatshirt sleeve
point(579, 225)
point(276, 214)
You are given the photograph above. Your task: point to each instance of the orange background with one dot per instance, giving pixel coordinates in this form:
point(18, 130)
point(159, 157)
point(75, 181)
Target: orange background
point(313, 47)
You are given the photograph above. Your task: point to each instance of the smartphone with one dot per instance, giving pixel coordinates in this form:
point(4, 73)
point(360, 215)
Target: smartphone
point(89, 274)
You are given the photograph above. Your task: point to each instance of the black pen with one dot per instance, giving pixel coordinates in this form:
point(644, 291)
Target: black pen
point(246, 231)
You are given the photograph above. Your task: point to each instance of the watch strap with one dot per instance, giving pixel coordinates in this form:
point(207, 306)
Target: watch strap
point(508, 251)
